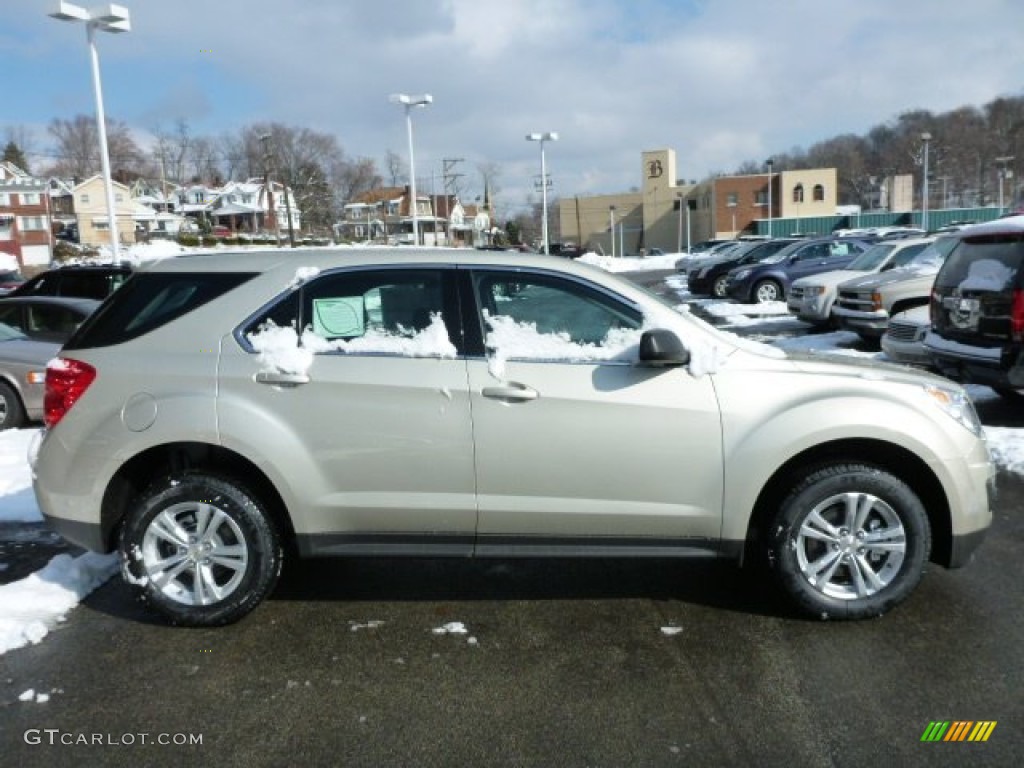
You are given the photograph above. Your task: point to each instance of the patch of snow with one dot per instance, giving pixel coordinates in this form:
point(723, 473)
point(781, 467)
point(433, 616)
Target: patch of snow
point(509, 339)
point(986, 275)
point(30, 608)
point(451, 628)
point(281, 350)
point(1007, 447)
point(630, 263)
point(371, 624)
point(670, 631)
point(302, 275)
point(17, 499)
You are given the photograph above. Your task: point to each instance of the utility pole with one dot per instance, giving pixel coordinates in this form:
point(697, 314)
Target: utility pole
point(268, 190)
point(450, 184)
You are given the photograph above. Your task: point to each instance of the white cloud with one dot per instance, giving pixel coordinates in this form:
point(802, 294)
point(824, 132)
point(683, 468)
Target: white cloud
point(722, 83)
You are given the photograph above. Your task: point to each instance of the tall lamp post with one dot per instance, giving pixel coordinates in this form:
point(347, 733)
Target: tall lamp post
point(541, 138)
point(925, 138)
point(108, 18)
point(680, 201)
point(770, 163)
point(1004, 173)
point(611, 226)
point(409, 102)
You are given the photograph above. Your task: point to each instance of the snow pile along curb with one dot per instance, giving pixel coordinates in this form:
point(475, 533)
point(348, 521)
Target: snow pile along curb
point(30, 608)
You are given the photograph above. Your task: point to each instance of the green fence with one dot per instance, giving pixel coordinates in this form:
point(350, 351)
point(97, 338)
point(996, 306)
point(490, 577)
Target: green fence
point(826, 225)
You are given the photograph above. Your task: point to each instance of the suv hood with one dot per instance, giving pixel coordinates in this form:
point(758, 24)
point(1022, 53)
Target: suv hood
point(828, 279)
point(864, 368)
point(876, 280)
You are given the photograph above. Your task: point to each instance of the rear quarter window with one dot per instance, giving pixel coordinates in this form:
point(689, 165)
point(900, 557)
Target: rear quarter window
point(149, 301)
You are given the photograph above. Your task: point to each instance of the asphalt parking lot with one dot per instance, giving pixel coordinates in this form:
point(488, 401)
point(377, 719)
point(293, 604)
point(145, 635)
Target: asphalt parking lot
point(561, 663)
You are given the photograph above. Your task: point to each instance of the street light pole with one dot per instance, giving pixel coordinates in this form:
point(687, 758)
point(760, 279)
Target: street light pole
point(770, 163)
point(1003, 173)
point(409, 102)
point(541, 138)
point(679, 237)
point(926, 138)
point(109, 18)
point(611, 227)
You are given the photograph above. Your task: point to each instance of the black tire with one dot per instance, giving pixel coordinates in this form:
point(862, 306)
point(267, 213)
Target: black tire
point(838, 545)
point(240, 553)
point(719, 289)
point(12, 412)
point(768, 290)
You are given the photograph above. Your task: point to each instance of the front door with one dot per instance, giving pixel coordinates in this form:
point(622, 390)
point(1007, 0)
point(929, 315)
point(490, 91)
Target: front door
point(578, 449)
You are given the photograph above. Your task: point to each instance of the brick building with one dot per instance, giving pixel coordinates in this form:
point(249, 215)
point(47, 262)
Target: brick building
point(25, 230)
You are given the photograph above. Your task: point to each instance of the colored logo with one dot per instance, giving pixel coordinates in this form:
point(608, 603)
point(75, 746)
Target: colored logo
point(958, 730)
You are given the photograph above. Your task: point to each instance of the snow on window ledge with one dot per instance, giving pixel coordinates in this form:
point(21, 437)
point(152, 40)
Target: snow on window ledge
point(281, 350)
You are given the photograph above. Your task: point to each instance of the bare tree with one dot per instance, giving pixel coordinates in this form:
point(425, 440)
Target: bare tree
point(77, 148)
point(395, 167)
point(301, 159)
point(204, 160)
point(354, 177)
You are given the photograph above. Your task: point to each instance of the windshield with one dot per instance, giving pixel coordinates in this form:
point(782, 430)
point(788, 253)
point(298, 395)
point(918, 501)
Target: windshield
point(780, 256)
point(933, 256)
point(873, 258)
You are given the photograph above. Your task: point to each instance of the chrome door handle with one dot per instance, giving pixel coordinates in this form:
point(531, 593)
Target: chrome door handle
point(511, 392)
point(281, 379)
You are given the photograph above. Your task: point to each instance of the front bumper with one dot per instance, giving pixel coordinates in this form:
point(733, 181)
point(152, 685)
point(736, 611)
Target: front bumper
point(870, 323)
point(1002, 368)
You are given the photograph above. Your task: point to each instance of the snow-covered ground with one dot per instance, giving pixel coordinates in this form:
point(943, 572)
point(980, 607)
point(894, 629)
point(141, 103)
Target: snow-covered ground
point(29, 608)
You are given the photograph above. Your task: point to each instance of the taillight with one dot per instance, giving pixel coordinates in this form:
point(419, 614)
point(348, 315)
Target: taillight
point(66, 380)
point(1017, 316)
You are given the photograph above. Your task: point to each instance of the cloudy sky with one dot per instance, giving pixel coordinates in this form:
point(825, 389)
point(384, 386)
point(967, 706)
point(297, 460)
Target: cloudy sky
point(720, 81)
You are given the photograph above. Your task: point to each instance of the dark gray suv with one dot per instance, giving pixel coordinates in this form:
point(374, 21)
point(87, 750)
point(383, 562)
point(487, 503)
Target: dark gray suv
point(977, 308)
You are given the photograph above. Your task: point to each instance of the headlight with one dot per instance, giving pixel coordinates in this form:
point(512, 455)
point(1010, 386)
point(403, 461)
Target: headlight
point(957, 405)
point(743, 274)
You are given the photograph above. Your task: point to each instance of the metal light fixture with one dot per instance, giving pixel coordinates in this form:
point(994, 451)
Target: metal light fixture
point(107, 18)
point(409, 102)
point(543, 137)
point(925, 138)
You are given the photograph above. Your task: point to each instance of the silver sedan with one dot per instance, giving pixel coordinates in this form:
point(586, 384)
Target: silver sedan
point(22, 375)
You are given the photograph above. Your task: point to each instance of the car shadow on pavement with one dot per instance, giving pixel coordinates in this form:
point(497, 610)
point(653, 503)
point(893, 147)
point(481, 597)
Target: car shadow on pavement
point(719, 585)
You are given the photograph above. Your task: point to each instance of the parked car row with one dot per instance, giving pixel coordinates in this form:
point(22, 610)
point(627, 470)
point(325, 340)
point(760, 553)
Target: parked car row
point(36, 318)
point(762, 271)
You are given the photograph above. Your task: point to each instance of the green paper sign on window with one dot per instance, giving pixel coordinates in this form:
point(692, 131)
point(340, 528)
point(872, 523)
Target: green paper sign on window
point(338, 317)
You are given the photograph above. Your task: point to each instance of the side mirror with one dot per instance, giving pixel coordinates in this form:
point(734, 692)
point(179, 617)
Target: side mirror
point(660, 347)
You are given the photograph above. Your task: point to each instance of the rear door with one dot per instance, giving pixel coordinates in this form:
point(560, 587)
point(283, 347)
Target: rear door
point(367, 424)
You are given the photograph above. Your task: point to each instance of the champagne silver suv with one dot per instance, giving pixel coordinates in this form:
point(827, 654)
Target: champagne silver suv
point(220, 411)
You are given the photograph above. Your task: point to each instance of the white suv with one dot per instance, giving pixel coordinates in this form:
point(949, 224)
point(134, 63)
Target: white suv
point(222, 410)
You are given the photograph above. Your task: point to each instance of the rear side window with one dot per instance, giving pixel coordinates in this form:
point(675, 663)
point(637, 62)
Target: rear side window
point(149, 301)
point(990, 264)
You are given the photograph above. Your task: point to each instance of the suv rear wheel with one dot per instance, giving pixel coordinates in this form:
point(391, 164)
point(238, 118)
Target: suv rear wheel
point(850, 541)
point(200, 549)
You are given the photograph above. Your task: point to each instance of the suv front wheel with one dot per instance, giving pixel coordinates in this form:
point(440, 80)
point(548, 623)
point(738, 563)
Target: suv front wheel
point(850, 541)
point(200, 549)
